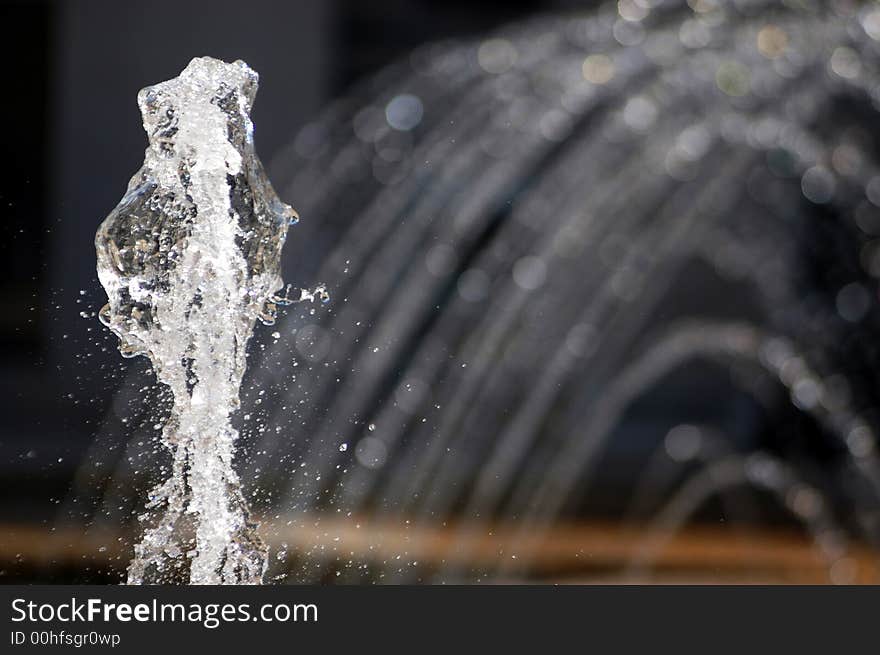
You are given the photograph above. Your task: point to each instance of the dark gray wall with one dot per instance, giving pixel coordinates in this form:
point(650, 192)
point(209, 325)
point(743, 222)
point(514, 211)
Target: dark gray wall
point(104, 52)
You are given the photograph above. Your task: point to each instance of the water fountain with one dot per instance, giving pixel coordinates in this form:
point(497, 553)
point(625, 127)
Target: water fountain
point(506, 225)
point(190, 261)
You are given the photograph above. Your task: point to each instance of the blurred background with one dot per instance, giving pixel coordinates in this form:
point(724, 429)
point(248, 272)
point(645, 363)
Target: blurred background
point(603, 286)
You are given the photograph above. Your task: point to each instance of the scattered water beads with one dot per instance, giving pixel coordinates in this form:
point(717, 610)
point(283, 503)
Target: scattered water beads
point(269, 313)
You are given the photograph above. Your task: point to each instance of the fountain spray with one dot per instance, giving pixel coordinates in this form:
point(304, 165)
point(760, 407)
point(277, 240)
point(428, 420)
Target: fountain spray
point(190, 260)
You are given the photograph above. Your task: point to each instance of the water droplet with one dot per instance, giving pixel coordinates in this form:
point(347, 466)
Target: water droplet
point(683, 443)
point(269, 314)
point(733, 78)
point(853, 302)
point(496, 55)
point(529, 272)
point(845, 63)
point(404, 112)
point(871, 24)
point(371, 453)
point(772, 41)
point(473, 285)
point(639, 113)
point(598, 69)
point(104, 315)
point(818, 185)
point(129, 350)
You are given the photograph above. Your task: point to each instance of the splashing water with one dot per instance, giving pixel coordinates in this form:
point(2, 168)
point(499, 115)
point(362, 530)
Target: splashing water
point(190, 260)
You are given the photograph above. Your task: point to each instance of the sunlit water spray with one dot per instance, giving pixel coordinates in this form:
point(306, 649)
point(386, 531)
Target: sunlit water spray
point(190, 260)
point(514, 227)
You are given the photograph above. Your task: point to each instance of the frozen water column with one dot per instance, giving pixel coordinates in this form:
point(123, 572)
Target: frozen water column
point(190, 259)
